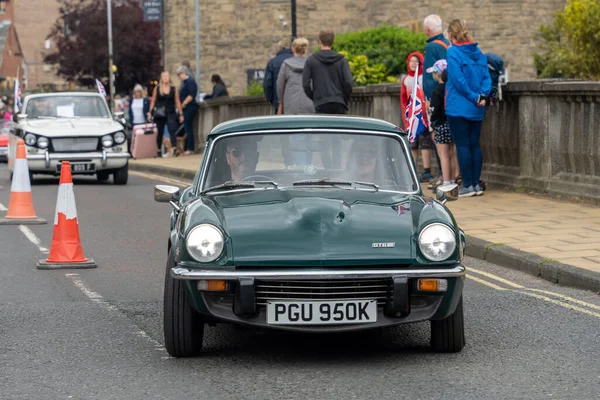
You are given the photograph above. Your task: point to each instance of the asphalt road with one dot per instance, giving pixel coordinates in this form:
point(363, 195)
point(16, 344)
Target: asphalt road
point(97, 334)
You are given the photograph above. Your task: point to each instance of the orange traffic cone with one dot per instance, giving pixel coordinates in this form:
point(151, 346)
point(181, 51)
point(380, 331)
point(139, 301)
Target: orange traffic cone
point(20, 207)
point(65, 250)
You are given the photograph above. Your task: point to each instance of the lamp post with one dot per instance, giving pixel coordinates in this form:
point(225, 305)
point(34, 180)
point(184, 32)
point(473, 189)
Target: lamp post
point(111, 87)
point(197, 43)
point(293, 19)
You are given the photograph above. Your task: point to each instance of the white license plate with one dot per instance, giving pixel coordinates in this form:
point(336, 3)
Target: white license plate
point(79, 167)
point(321, 312)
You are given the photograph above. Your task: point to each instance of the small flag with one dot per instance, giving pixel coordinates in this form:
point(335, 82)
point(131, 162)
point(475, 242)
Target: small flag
point(414, 113)
point(100, 88)
point(18, 103)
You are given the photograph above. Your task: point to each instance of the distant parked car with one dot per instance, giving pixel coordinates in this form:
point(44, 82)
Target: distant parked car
point(4, 135)
point(76, 127)
point(339, 239)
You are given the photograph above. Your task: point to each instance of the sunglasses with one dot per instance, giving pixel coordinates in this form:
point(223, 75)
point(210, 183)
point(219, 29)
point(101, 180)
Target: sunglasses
point(235, 152)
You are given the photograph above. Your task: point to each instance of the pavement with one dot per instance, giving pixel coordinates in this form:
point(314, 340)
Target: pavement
point(556, 240)
point(97, 333)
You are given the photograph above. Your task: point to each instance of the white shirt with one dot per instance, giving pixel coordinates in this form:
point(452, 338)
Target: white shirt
point(137, 108)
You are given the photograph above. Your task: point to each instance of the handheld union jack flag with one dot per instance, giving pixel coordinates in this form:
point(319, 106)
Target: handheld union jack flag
point(18, 102)
point(101, 89)
point(414, 114)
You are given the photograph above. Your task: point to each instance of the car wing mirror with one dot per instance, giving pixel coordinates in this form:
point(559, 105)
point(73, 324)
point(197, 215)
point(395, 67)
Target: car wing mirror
point(448, 192)
point(166, 193)
point(19, 117)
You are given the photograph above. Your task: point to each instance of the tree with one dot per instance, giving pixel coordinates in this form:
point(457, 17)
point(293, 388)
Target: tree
point(570, 46)
point(82, 54)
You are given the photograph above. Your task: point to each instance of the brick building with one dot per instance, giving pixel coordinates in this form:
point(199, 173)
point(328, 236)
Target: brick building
point(12, 62)
point(238, 36)
point(34, 20)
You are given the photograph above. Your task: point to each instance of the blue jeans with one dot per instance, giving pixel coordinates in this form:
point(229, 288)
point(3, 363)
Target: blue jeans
point(466, 134)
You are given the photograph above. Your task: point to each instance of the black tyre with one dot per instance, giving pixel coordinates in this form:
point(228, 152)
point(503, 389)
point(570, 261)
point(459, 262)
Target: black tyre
point(102, 175)
point(183, 326)
point(121, 175)
point(448, 334)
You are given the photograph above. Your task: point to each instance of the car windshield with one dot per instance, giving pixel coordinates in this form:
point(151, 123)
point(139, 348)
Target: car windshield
point(67, 107)
point(309, 160)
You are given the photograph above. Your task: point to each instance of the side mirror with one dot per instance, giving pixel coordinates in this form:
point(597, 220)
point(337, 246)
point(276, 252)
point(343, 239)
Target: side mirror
point(19, 117)
point(446, 193)
point(165, 193)
point(119, 115)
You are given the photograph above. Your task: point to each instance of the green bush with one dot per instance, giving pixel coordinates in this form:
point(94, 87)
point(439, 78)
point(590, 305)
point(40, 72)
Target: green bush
point(365, 73)
point(386, 45)
point(570, 46)
point(254, 88)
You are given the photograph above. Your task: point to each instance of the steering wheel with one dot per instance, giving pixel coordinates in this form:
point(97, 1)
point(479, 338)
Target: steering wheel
point(256, 178)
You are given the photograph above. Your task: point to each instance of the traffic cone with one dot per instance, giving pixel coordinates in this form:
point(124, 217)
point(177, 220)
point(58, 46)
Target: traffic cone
point(20, 207)
point(66, 251)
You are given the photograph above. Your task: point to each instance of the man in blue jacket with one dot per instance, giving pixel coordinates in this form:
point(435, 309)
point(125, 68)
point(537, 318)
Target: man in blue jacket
point(272, 72)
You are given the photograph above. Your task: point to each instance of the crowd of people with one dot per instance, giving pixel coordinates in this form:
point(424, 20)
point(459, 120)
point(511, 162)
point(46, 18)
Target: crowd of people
point(453, 87)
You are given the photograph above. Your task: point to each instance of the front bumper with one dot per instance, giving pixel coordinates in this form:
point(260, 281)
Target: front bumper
point(403, 304)
point(103, 160)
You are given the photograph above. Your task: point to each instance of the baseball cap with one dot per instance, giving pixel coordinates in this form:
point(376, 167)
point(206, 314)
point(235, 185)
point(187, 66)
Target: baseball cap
point(438, 67)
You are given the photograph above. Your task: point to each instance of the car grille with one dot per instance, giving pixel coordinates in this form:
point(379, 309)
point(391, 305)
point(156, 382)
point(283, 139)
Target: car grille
point(364, 289)
point(75, 144)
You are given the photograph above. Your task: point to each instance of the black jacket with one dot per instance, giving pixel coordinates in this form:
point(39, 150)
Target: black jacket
point(438, 115)
point(218, 91)
point(271, 74)
point(327, 78)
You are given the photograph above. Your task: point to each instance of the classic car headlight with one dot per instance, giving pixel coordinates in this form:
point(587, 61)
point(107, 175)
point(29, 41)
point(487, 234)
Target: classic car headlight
point(205, 243)
point(43, 142)
point(437, 242)
point(120, 137)
point(107, 140)
point(30, 139)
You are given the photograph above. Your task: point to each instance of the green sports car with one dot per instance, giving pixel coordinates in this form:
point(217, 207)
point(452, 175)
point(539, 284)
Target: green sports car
point(311, 224)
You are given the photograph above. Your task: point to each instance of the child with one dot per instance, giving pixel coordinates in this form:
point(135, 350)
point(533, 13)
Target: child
point(423, 142)
point(442, 138)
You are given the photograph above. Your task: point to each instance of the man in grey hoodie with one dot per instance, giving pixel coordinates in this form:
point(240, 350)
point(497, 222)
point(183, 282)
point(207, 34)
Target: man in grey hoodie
point(327, 79)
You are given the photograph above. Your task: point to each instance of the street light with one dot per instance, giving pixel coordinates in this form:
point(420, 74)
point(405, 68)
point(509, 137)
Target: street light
point(293, 19)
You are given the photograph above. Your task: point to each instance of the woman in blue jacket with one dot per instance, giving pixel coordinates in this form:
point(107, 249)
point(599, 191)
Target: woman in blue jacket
point(469, 84)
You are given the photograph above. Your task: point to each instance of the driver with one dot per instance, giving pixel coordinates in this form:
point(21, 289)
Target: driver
point(363, 162)
point(241, 157)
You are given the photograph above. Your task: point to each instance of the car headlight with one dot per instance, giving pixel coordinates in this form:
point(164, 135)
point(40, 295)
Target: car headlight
point(30, 139)
point(205, 243)
point(43, 142)
point(437, 242)
point(107, 140)
point(119, 137)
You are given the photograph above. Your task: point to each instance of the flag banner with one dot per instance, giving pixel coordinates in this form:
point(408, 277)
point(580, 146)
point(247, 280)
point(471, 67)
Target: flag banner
point(18, 103)
point(414, 114)
point(101, 89)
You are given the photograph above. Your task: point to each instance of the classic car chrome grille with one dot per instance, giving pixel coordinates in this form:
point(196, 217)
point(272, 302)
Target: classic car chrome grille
point(379, 289)
point(75, 144)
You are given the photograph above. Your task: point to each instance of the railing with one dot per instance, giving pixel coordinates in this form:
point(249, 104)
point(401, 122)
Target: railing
point(544, 135)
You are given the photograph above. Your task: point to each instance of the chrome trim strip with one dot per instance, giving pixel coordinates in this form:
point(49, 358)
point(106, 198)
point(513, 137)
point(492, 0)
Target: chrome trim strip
point(209, 149)
point(76, 156)
point(47, 158)
point(301, 274)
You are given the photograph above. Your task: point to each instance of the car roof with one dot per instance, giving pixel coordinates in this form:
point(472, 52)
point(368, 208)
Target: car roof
point(62, 94)
point(283, 122)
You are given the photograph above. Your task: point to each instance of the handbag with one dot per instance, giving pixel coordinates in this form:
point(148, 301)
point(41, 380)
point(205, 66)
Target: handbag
point(280, 107)
point(160, 111)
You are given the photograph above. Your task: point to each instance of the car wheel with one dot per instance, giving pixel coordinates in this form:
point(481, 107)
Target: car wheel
point(183, 325)
point(121, 175)
point(102, 175)
point(448, 334)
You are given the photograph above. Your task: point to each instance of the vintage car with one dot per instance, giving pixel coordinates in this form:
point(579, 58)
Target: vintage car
point(310, 224)
point(4, 134)
point(72, 126)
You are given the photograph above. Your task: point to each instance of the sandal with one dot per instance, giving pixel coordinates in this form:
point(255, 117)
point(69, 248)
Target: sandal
point(434, 185)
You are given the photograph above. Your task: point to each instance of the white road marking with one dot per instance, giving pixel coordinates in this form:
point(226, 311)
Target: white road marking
point(170, 180)
point(32, 238)
point(2, 208)
point(98, 299)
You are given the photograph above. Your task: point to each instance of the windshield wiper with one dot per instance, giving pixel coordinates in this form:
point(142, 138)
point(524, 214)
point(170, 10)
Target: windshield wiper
point(45, 117)
point(328, 182)
point(237, 185)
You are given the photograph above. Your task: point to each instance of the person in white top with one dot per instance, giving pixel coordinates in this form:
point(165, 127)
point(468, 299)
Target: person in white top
point(138, 109)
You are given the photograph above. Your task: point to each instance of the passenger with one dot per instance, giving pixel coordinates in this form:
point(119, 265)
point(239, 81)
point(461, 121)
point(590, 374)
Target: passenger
point(241, 157)
point(363, 163)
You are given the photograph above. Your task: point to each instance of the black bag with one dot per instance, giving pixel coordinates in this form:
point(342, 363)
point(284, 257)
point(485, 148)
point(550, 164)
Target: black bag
point(160, 111)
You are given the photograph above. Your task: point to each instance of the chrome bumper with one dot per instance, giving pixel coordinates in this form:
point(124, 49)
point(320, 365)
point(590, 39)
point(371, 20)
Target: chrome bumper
point(299, 274)
point(103, 156)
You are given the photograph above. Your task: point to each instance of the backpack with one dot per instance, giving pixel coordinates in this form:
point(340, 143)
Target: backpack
point(496, 69)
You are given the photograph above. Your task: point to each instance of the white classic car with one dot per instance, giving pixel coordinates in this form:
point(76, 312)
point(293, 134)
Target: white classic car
point(71, 126)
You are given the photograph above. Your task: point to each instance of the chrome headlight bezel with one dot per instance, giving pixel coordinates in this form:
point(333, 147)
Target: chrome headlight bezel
point(29, 142)
point(107, 141)
point(205, 243)
point(119, 137)
point(437, 238)
point(43, 142)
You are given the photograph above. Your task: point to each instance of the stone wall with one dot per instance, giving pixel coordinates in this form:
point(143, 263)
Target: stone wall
point(544, 135)
point(237, 35)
